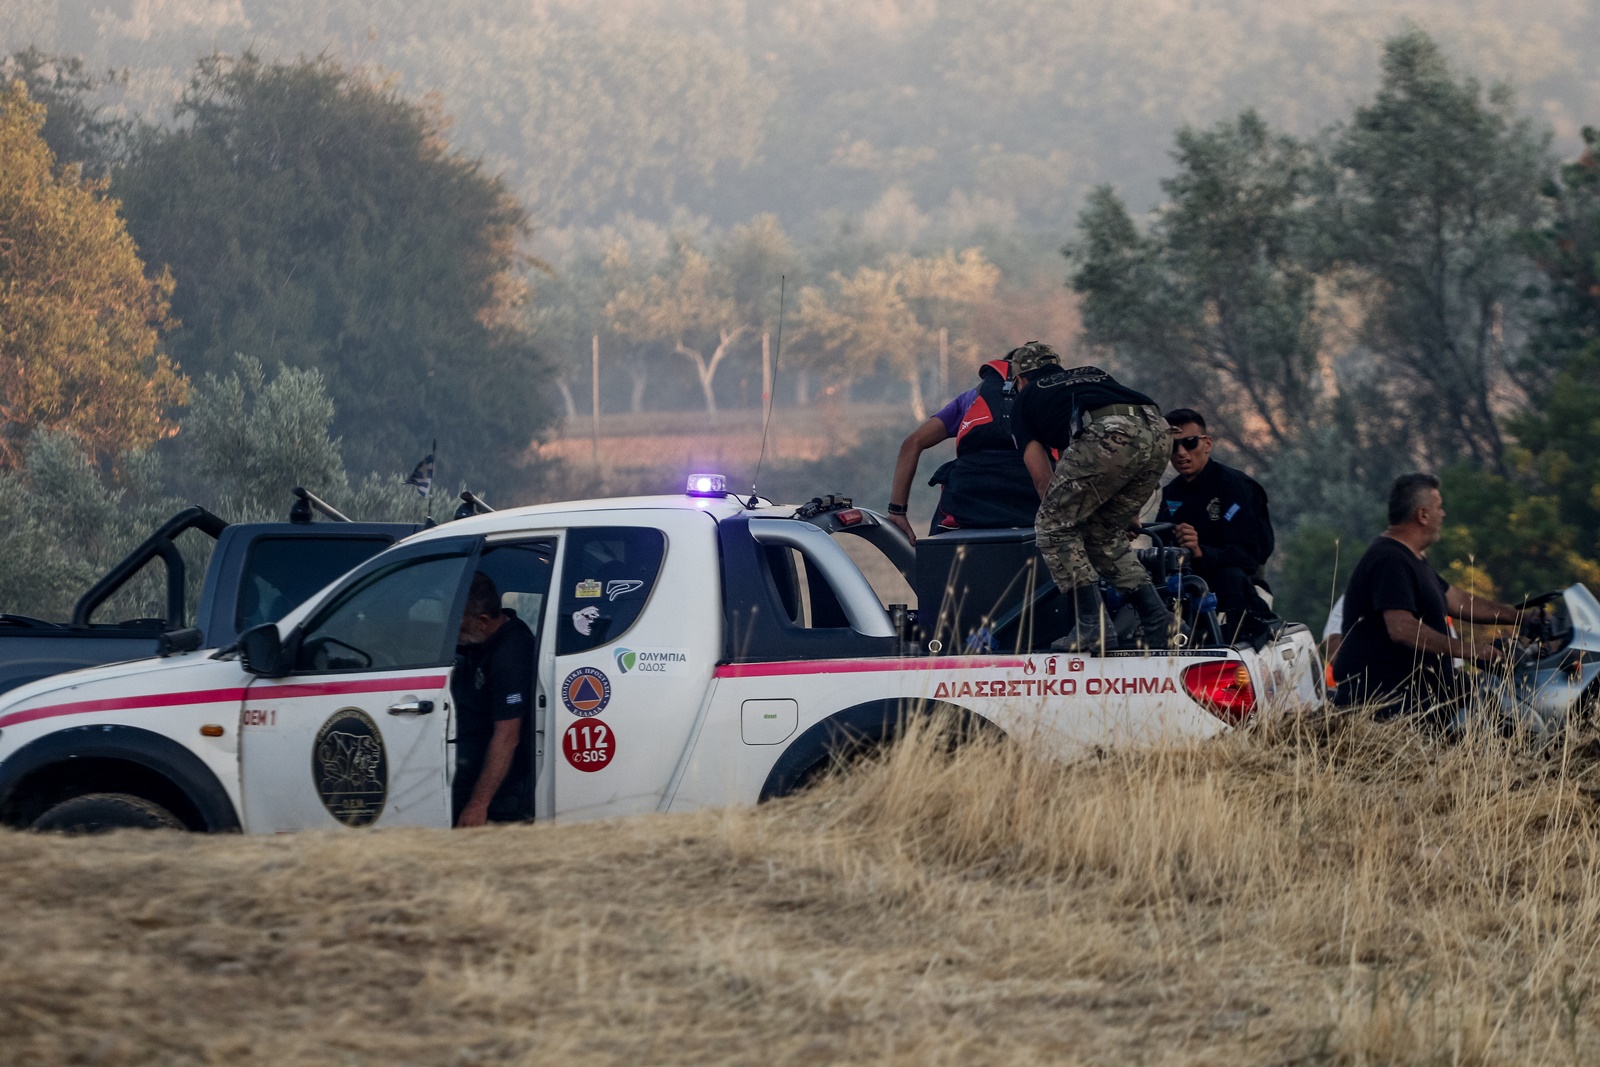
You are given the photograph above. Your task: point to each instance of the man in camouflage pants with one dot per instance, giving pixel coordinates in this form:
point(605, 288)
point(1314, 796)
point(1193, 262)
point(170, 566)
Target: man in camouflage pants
point(1114, 444)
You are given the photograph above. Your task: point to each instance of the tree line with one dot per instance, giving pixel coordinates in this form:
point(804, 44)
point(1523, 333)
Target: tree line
point(311, 217)
point(1413, 287)
point(690, 301)
point(295, 213)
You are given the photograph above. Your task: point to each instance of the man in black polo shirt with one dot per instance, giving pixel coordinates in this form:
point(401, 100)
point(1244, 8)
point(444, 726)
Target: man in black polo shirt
point(1397, 652)
point(1113, 444)
point(493, 690)
point(1221, 516)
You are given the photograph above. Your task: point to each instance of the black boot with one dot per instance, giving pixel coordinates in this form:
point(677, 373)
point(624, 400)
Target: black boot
point(1091, 633)
point(1160, 625)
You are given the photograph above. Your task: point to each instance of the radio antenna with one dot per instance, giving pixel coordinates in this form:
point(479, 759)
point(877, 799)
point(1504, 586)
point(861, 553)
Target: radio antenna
point(772, 394)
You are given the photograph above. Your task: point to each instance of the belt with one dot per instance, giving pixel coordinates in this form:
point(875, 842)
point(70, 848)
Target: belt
point(1113, 409)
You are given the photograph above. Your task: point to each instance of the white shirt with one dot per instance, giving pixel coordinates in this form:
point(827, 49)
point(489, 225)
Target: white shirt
point(1335, 619)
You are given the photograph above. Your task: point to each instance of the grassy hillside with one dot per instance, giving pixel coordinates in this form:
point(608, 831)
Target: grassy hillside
point(1331, 896)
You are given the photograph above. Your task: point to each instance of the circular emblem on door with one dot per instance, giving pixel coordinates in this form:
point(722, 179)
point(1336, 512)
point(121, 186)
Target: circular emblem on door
point(351, 768)
point(586, 692)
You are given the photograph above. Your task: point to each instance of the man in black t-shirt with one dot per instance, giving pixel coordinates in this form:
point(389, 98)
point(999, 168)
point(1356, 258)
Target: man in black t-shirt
point(1114, 445)
point(493, 691)
point(1397, 651)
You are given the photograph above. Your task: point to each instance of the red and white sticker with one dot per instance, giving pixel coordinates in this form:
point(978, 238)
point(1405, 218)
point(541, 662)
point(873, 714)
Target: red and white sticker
point(589, 745)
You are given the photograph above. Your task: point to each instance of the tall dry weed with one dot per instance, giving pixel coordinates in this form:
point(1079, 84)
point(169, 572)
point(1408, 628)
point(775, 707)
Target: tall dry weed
point(1455, 882)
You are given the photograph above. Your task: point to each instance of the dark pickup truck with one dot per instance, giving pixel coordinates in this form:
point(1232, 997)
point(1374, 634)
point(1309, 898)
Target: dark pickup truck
point(258, 571)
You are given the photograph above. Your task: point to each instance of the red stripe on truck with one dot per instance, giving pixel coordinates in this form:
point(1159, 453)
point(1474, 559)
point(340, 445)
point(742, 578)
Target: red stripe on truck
point(154, 700)
point(372, 685)
point(866, 666)
point(223, 696)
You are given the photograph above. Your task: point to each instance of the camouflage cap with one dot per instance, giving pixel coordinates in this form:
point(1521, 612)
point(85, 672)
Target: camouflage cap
point(1031, 356)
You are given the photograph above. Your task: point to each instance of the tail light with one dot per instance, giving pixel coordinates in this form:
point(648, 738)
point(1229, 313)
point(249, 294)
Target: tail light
point(1222, 688)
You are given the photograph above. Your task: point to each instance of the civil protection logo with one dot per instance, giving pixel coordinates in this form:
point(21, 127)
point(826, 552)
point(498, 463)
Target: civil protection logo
point(626, 658)
point(586, 692)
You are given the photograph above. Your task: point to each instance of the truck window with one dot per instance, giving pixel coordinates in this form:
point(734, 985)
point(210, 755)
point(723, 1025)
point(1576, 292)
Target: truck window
point(807, 598)
point(521, 572)
point(281, 572)
point(606, 579)
point(401, 616)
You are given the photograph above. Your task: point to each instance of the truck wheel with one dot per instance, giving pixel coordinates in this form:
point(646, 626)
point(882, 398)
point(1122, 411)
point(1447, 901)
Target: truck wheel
point(98, 813)
point(856, 733)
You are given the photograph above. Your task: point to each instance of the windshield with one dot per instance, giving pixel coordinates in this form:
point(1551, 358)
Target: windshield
point(281, 572)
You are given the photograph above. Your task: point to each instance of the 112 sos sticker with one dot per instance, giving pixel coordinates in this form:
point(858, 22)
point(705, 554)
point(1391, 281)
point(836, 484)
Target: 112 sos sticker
point(589, 745)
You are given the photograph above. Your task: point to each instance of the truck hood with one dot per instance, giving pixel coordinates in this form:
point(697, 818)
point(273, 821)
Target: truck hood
point(90, 677)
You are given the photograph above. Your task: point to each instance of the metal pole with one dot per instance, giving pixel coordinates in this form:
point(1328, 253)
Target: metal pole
point(766, 370)
point(595, 401)
point(944, 362)
point(433, 476)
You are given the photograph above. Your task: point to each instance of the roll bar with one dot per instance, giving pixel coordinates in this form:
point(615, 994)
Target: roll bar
point(161, 543)
point(861, 605)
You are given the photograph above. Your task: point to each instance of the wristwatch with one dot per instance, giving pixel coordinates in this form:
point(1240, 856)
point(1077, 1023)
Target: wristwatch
point(896, 509)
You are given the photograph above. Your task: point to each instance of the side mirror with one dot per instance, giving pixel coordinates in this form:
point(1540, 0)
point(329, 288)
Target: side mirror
point(188, 639)
point(261, 651)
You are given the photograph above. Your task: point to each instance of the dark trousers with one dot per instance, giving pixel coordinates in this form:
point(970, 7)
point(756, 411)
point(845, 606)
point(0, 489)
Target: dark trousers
point(1238, 601)
point(1236, 593)
point(513, 801)
point(1431, 707)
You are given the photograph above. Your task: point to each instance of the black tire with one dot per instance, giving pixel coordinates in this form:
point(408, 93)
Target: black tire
point(858, 733)
point(99, 813)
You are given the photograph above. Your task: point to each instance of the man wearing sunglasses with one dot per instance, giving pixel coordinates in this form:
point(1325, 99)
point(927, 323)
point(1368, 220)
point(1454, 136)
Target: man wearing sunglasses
point(1113, 445)
point(1221, 516)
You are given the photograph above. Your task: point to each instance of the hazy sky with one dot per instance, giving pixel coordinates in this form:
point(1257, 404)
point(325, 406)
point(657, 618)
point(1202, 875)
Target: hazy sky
point(911, 116)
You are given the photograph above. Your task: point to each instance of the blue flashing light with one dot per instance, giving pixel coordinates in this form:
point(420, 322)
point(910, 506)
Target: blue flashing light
point(707, 485)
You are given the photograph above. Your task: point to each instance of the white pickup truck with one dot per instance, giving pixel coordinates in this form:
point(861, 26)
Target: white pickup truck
point(692, 650)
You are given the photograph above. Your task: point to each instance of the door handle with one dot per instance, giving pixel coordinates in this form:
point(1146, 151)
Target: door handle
point(411, 707)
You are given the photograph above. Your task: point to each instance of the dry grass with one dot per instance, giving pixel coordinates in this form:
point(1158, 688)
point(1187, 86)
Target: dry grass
point(1327, 893)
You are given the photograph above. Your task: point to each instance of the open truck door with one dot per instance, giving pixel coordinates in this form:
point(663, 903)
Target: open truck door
point(349, 729)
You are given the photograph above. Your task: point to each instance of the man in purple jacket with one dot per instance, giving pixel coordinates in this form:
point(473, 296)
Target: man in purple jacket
point(987, 485)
